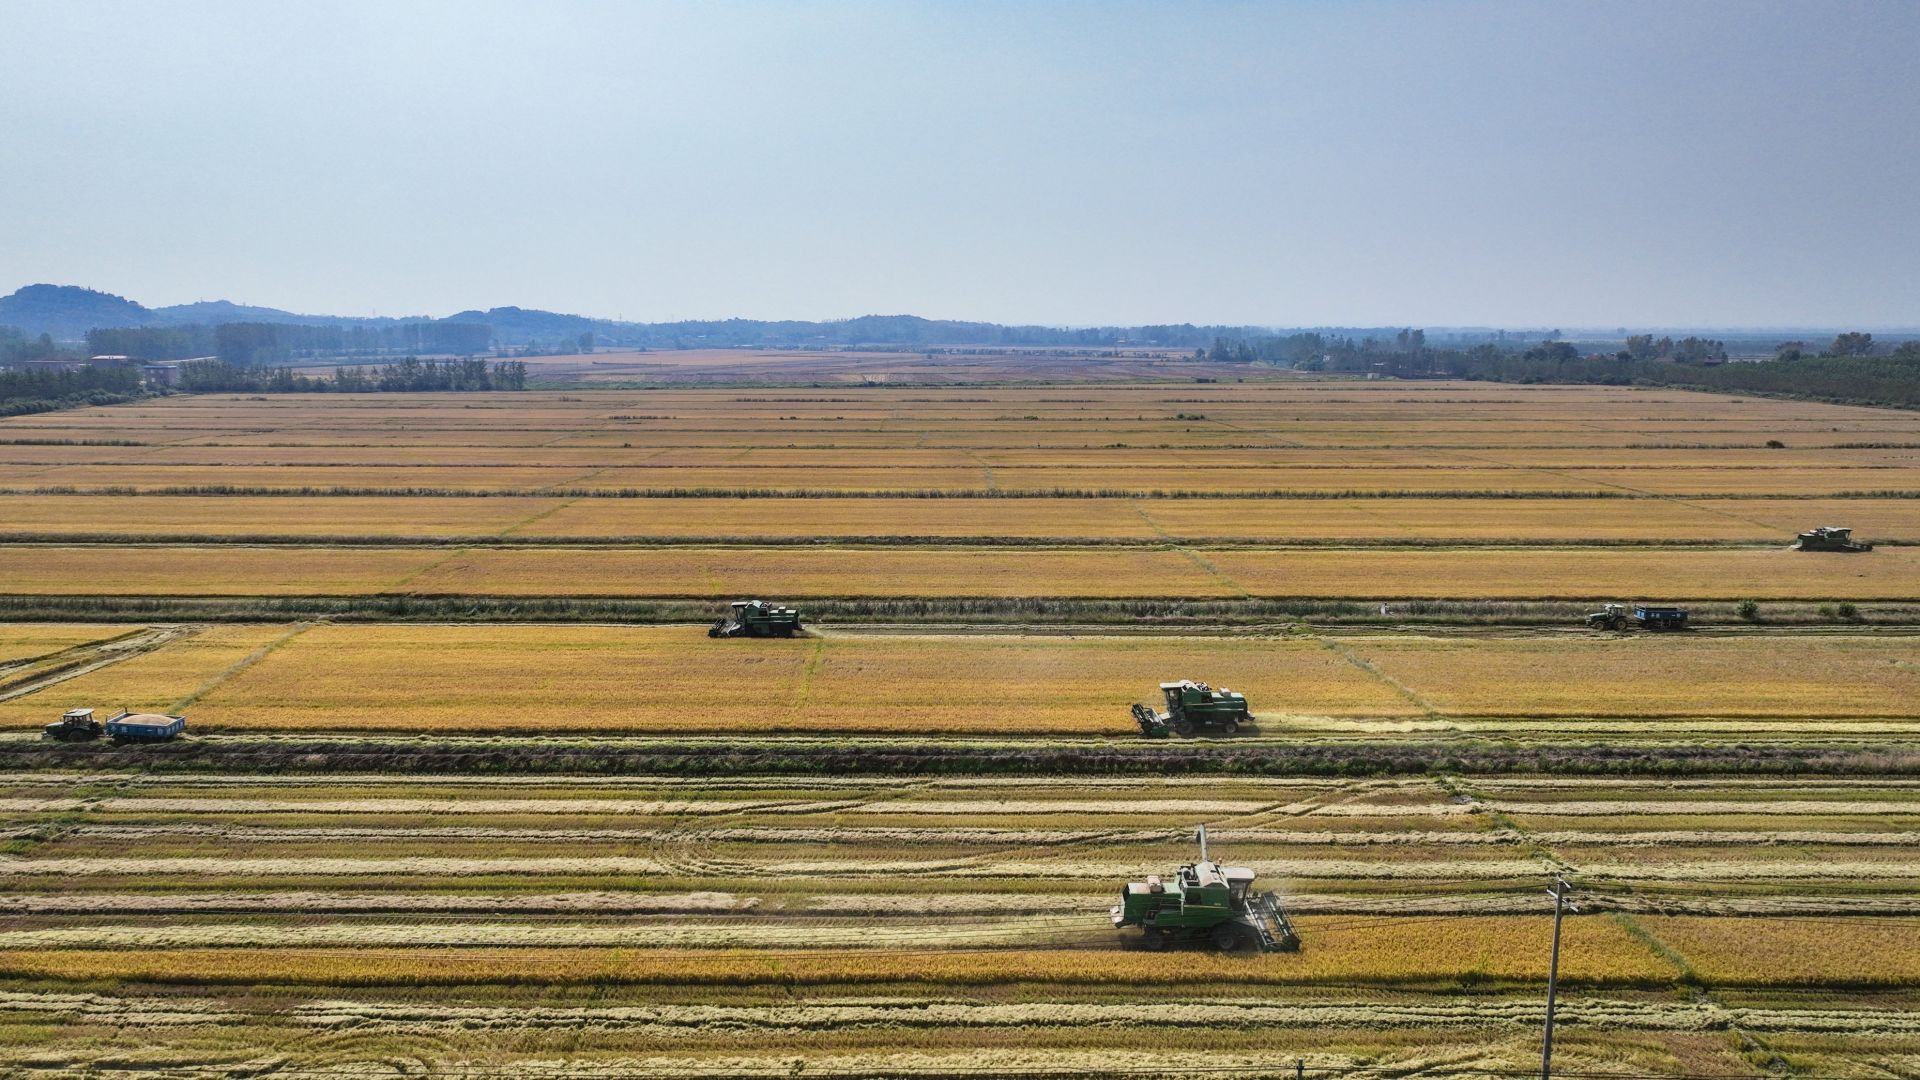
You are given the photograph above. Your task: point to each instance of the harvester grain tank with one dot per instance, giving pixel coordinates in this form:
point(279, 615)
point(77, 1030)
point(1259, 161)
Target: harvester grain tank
point(1643, 616)
point(1830, 538)
point(78, 725)
point(1208, 902)
point(756, 618)
point(1191, 706)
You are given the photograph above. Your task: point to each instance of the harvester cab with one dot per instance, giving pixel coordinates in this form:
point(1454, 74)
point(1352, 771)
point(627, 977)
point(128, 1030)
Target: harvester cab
point(1830, 538)
point(1208, 902)
point(756, 618)
point(1191, 706)
point(74, 725)
point(1610, 617)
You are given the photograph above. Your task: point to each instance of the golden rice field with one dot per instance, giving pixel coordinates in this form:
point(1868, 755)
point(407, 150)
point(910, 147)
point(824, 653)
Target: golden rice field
point(893, 571)
point(1731, 521)
point(887, 849)
point(515, 678)
point(24, 642)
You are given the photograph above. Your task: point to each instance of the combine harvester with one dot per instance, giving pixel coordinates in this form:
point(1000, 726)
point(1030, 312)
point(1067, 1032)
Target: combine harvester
point(756, 618)
point(1191, 706)
point(1206, 902)
point(78, 725)
point(1830, 538)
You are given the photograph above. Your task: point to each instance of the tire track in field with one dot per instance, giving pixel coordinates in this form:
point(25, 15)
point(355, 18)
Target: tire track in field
point(986, 469)
point(1406, 692)
point(65, 654)
point(1158, 530)
point(109, 652)
point(1213, 571)
point(1749, 1045)
point(541, 515)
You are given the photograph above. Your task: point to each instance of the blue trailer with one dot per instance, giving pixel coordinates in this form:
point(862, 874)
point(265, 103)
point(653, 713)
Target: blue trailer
point(1660, 618)
point(144, 727)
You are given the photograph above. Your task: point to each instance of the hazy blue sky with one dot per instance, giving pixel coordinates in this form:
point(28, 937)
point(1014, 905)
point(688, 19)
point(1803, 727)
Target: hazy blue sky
point(1526, 163)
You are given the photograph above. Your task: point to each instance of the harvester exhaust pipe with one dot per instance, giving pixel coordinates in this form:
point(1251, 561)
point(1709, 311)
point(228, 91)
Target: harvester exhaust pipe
point(1201, 835)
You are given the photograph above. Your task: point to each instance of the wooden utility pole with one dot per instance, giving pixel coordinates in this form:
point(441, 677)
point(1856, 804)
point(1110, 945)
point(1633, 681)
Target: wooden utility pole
point(1558, 890)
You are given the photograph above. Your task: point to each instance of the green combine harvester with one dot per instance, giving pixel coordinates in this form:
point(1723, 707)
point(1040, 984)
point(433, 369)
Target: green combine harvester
point(756, 618)
point(1830, 538)
point(1207, 902)
point(1192, 706)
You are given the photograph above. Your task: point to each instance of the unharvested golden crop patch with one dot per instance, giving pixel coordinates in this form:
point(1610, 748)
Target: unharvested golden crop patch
point(24, 641)
point(1391, 950)
point(1273, 520)
point(137, 515)
point(723, 573)
point(505, 678)
point(765, 518)
point(106, 570)
point(718, 573)
point(582, 678)
point(1652, 677)
point(1466, 573)
point(291, 477)
point(1795, 952)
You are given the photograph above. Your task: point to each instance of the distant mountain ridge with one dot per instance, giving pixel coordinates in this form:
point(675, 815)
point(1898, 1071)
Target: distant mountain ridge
point(67, 312)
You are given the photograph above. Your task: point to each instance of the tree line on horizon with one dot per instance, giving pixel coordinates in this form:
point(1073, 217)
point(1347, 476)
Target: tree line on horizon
point(1852, 369)
point(408, 375)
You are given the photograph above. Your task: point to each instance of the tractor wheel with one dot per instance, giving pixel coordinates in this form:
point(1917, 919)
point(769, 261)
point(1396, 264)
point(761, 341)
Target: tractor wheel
point(1229, 727)
point(1183, 728)
point(1227, 938)
point(1157, 940)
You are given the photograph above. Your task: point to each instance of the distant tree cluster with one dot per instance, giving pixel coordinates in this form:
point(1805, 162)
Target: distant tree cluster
point(152, 342)
point(30, 390)
point(1690, 350)
point(16, 347)
point(263, 344)
point(410, 374)
point(1852, 369)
